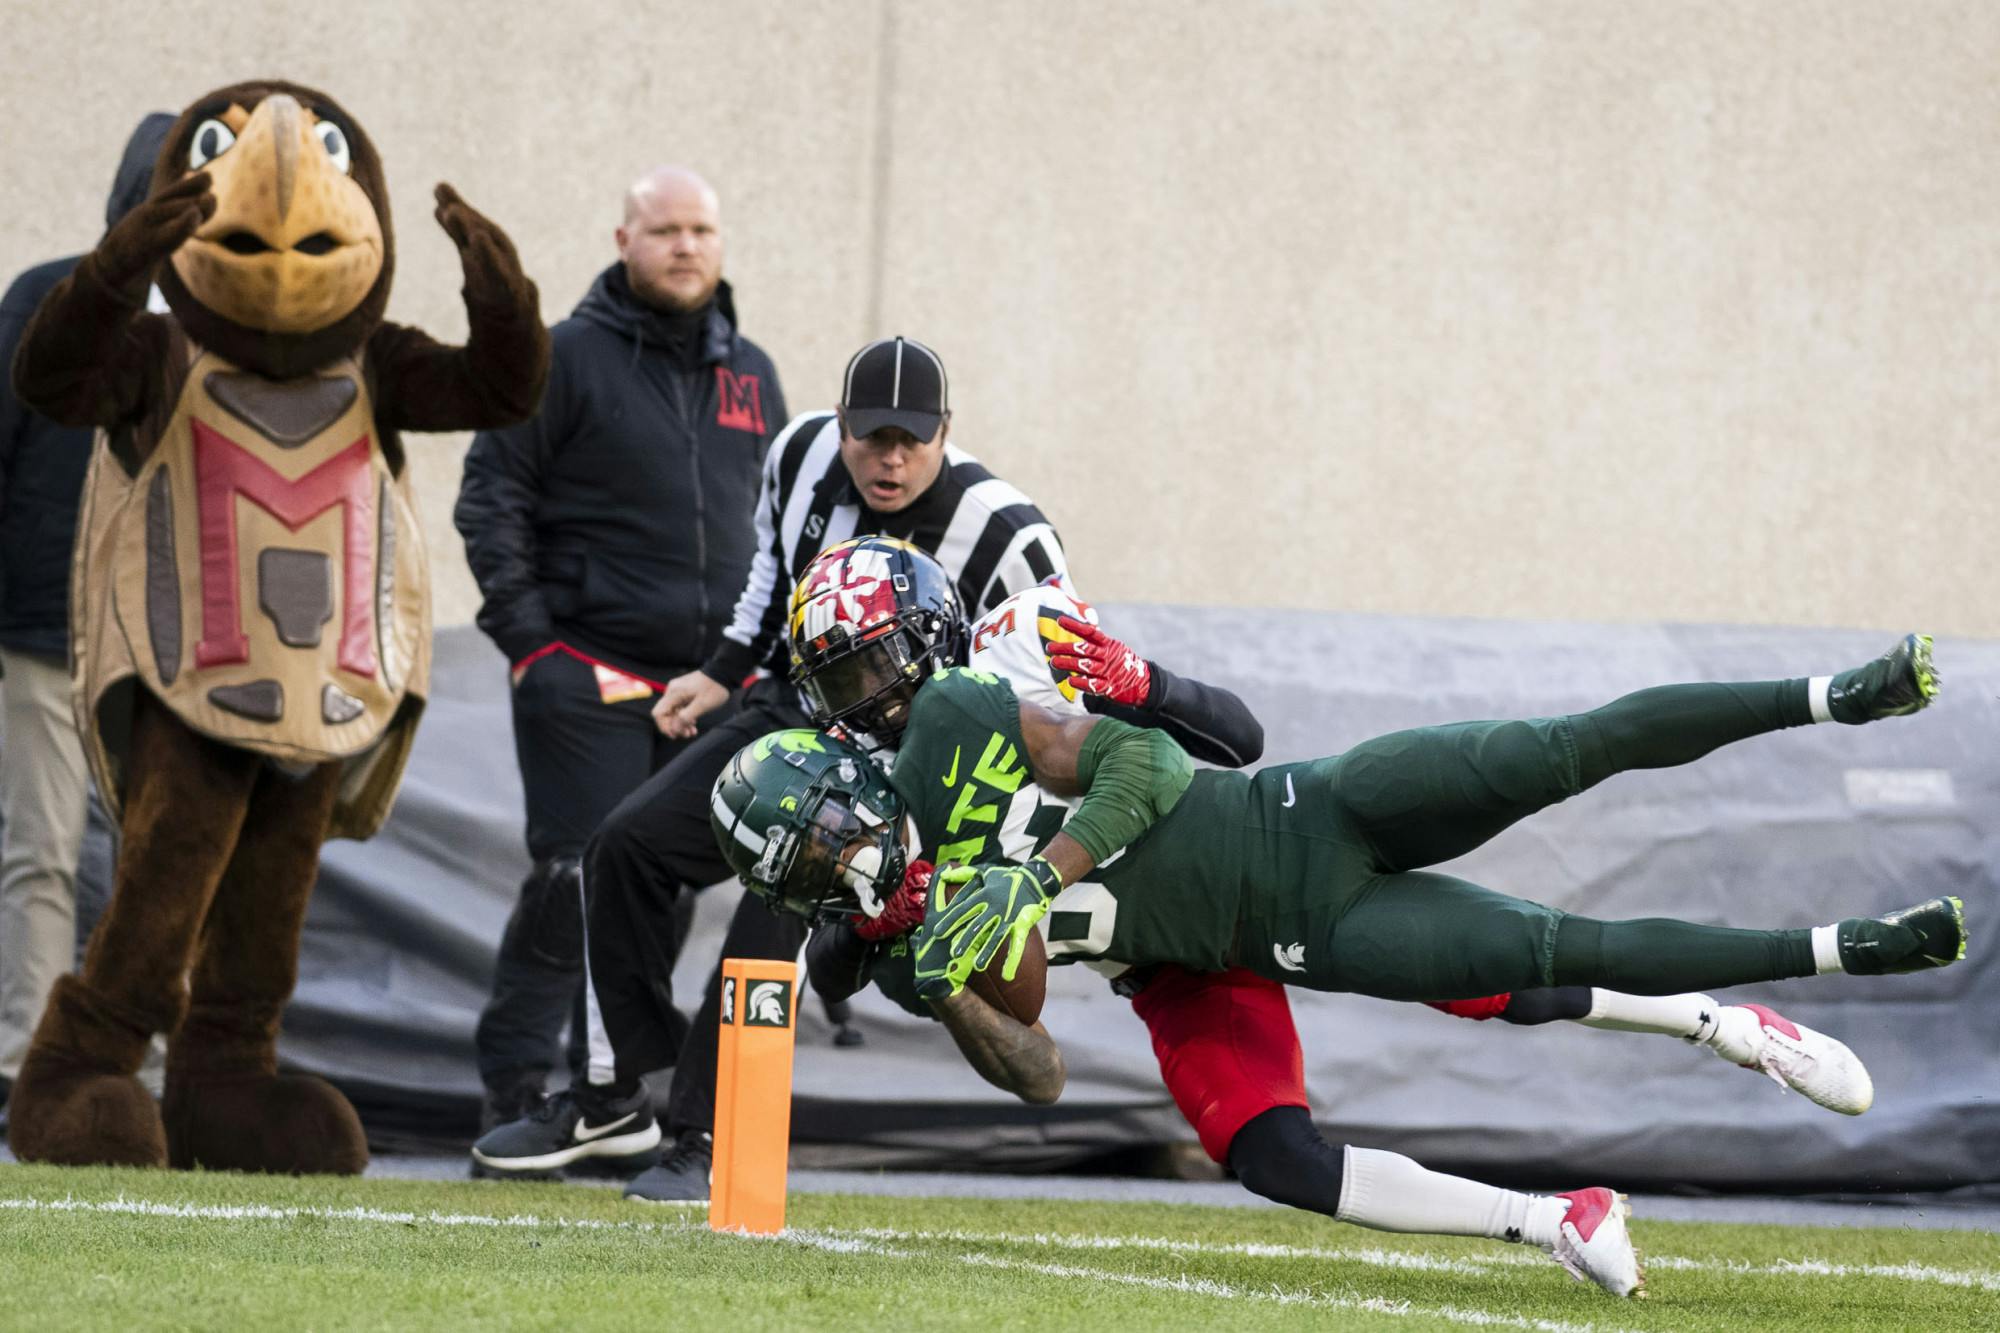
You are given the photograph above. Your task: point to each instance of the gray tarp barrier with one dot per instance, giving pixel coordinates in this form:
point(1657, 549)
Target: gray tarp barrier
point(1795, 829)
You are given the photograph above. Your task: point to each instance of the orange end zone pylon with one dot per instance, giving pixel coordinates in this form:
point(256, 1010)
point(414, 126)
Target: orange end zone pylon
point(753, 1094)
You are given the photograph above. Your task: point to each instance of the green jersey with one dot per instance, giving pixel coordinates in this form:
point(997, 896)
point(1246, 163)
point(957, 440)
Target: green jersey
point(1171, 896)
point(1246, 869)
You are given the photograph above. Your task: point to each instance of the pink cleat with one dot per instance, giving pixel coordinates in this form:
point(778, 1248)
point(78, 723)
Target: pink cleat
point(1758, 1037)
point(1594, 1245)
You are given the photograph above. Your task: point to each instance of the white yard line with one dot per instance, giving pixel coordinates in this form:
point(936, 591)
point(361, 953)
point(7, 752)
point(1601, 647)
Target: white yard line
point(1950, 1277)
point(846, 1243)
point(1062, 1240)
point(1472, 1263)
point(257, 1212)
point(864, 1239)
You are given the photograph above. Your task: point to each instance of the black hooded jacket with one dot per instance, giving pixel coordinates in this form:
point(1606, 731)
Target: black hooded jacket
point(619, 520)
point(42, 464)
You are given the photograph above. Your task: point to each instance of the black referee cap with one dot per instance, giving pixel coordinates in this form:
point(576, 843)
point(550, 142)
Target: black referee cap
point(895, 382)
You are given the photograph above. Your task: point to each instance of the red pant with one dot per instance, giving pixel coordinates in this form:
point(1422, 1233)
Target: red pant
point(1227, 1048)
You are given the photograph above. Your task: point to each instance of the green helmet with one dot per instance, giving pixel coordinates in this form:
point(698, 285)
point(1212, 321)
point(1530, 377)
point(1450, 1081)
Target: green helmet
point(810, 825)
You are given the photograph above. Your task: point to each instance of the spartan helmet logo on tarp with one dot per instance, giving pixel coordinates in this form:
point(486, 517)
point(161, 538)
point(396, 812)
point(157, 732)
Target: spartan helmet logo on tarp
point(769, 1006)
point(729, 999)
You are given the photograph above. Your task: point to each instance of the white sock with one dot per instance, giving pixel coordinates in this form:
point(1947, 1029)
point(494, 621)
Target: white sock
point(1389, 1192)
point(1826, 949)
point(1817, 689)
point(1691, 1016)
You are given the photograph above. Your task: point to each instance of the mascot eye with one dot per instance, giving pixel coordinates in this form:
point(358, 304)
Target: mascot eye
point(335, 143)
point(212, 139)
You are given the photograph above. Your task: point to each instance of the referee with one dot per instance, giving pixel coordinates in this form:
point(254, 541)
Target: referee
point(878, 465)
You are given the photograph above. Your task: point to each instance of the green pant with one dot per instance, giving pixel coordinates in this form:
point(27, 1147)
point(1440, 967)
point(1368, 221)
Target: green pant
point(1371, 919)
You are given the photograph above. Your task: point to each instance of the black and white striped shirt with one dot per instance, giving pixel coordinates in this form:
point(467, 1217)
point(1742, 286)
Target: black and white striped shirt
point(989, 537)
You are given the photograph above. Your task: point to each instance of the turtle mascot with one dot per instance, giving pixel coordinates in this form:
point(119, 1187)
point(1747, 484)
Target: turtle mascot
point(250, 612)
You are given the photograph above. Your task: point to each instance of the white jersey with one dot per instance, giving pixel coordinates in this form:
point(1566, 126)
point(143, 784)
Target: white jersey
point(1012, 642)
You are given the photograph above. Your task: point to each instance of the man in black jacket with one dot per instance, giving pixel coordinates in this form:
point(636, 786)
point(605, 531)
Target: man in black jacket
point(44, 788)
point(610, 535)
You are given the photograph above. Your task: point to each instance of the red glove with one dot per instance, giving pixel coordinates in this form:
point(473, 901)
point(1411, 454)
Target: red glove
point(1098, 664)
point(904, 911)
point(1491, 1006)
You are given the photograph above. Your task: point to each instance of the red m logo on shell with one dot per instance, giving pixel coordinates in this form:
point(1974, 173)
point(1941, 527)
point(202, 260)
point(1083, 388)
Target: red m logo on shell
point(224, 470)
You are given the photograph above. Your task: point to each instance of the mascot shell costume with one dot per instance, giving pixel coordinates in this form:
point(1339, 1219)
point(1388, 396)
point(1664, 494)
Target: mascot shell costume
point(250, 610)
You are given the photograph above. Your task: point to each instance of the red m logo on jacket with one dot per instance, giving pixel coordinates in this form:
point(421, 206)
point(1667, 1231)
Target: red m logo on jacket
point(739, 401)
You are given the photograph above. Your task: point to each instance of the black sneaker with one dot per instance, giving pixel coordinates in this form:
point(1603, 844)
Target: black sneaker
point(573, 1124)
point(1899, 682)
point(1928, 935)
point(682, 1175)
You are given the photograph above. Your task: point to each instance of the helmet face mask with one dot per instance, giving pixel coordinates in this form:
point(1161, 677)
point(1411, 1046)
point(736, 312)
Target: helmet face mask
point(832, 860)
point(867, 686)
point(871, 620)
point(810, 825)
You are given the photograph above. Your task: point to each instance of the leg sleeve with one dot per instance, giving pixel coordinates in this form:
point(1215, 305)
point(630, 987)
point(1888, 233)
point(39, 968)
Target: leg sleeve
point(1281, 1156)
point(1656, 956)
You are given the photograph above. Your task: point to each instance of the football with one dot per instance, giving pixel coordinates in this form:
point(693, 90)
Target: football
point(1022, 997)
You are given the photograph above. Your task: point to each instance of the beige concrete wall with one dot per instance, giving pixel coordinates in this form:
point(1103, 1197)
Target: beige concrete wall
point(1581, 310)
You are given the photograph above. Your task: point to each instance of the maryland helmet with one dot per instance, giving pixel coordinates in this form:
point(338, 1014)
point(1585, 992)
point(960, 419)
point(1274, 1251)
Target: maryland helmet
point(871, 620)
point(810, 824)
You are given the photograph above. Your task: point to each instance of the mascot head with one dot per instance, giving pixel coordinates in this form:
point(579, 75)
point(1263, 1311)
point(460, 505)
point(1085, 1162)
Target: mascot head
point(293, 270)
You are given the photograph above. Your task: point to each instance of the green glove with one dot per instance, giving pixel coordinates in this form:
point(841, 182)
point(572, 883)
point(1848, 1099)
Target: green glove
point(990, 905)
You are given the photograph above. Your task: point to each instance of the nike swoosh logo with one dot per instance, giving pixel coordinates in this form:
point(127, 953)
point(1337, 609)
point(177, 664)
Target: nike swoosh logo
point(952, 776)
point(585, 1131)
point(1291, 797)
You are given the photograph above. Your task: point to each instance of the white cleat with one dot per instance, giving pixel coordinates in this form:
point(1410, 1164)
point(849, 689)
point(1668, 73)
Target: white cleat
point(1794, 1056)
point(1594, 1244)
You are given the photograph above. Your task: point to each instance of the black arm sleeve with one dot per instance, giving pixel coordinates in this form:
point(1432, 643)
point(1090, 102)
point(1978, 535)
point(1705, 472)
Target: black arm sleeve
point(1210, 723)
point(837, 961)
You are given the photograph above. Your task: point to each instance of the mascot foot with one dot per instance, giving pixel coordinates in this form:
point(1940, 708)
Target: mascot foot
point(82, 1117)
point(76, 1102)
point(284, 1123)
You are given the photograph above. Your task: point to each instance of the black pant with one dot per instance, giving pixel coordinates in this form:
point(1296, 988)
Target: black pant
point(579, 756)
point(647, 855)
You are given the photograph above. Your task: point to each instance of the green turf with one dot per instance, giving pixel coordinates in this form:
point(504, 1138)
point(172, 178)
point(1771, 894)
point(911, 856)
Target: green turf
point(94, 1249)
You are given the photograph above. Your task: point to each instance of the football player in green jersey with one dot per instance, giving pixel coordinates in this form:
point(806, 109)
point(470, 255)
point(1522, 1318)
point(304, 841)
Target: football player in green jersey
point(1321, 864)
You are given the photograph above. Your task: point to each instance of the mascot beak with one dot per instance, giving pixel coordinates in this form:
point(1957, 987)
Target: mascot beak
point(278, 116)
point(295, 243)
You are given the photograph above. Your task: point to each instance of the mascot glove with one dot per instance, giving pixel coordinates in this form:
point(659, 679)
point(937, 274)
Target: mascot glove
point(493, 275)
point(129, 252)
point(992, 905)
point(1098, 664)
point(904, 911)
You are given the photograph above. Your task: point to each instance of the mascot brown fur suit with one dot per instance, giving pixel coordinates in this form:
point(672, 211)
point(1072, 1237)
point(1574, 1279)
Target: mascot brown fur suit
point(250, 609)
